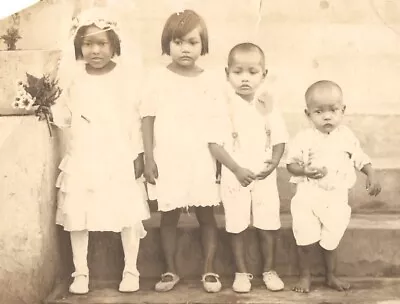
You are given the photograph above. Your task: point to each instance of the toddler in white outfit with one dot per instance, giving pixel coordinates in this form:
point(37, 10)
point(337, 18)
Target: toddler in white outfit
point(322, 159)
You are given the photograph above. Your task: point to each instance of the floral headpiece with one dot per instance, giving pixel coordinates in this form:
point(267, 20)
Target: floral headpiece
point(93, 17)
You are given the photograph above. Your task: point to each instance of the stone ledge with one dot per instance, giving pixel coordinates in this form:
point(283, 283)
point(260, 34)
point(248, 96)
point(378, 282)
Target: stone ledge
point(367, 249)
point(358, 221)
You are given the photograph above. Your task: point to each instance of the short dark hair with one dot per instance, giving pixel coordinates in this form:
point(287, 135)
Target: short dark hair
point(80, 34)
point(245, 47)
point(180, 24)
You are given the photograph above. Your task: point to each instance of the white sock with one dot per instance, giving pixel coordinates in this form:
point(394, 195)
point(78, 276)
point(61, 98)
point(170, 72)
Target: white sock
point(79, 244)
point(130, 243)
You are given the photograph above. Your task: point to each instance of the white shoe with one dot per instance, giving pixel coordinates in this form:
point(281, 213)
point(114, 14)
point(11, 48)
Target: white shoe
point(272, 281)
point(80, 285)
point(211, 287)
point(129, 283)
point(242, 282)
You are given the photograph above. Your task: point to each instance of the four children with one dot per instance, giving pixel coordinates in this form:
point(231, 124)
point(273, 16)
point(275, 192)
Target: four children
point(187, 124)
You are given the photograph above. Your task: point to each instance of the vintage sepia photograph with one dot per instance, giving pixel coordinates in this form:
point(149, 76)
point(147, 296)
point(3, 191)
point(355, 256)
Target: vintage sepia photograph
point(200, 151)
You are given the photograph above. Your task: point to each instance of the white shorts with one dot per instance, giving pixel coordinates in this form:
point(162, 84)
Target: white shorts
point(319, 215)
point(257, 204)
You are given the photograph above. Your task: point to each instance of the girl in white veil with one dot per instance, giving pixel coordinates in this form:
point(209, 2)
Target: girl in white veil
point(99, 73)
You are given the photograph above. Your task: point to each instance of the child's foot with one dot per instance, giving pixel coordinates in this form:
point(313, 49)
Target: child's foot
point(272, 281)
point(129, 283)
point(80, 285)
point(242, 282)
point(303, 285)
point(167, 282)
point(211, 282)
point(335, 283)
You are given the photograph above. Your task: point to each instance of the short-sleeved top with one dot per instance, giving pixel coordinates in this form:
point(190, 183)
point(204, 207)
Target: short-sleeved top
point(339, 152)
point(250, 131)
point(182, 107)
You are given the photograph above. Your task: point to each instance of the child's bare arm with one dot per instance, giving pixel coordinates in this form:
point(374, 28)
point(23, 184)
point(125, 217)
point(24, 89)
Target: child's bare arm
point(295, 169)
point(271, 164)
point(148, 134)
point(277, 152)
point(244, 176)
point(363, 163)
point(299, 170)
point(373, 186)
point(150, 166)
point(223, 157)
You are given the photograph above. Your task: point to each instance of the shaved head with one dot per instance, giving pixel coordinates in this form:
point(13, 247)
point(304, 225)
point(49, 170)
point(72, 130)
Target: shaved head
point(246, 47)
point(322, 89)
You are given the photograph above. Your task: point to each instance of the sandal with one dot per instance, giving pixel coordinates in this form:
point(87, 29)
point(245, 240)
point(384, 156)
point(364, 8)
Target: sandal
point(163, 286)
point(211, 286)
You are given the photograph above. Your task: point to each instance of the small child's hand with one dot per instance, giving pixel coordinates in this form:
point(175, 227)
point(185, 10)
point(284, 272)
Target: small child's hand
point(315, 173)
point(138, 165)
point(269, 168)
point(150, 171)
point(373, 186)
point(244, 176)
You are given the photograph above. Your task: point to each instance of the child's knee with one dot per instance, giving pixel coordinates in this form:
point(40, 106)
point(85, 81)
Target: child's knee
point(170, 218)
point(205, 216)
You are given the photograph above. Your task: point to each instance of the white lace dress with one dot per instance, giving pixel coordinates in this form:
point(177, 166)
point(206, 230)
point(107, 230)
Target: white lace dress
point(98, 190)
point(183, 107)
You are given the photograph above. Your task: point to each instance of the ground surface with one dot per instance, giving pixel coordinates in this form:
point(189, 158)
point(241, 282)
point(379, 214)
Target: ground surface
point(364, 291)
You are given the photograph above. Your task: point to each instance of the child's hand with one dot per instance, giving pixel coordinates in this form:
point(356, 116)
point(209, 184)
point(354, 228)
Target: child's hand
point(269, 168)
point(315, 173)
point(244, 176)
point(373, 186)
point(150, 171)
point(138, 165)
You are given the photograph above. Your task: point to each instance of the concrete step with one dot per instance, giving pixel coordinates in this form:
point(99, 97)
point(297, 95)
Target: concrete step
point(387, 202)
point(369, 248)
point(363, 291)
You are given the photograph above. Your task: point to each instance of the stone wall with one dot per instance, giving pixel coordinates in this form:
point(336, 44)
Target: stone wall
point(356, 43)
point(29, 255)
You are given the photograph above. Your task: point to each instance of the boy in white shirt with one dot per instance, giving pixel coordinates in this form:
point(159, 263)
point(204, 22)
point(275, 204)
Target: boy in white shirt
point(250, 148)
point(322, 159)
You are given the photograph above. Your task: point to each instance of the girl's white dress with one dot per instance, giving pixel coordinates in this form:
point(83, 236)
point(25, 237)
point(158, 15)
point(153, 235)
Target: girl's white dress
point(98, 190)
point(183, 108)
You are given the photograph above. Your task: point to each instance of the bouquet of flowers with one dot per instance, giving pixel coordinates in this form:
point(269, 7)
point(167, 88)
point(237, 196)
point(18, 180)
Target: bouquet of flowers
point(39, 94)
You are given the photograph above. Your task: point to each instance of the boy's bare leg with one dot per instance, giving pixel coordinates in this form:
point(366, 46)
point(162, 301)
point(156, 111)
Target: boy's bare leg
point(330, 259)
point(304, 257)
point(268, 247)
point(238, 249)
point(169, 222)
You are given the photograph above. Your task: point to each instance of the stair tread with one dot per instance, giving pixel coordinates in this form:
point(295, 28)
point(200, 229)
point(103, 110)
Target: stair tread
point(364, 290)
point(358, 221)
